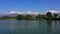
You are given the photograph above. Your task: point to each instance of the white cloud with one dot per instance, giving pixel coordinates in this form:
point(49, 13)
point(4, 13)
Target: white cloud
point(29, 12)
point(36, 12)
point(20, 12)
point(58, 11)
point(52, 11)
point(32, 12)
point(13, 12)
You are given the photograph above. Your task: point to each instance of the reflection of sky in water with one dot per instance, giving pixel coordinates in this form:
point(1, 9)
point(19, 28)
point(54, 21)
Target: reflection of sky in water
point(29, 26)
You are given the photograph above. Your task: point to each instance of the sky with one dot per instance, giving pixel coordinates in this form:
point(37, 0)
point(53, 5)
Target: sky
point(29, 5)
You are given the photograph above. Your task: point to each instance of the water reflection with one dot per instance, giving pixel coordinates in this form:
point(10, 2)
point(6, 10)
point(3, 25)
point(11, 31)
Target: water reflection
point(56, 27)
point(29, 27)
point(49, 26)
point(49, 22)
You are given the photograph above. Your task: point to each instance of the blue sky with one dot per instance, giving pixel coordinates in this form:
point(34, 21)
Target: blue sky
point(26, 5)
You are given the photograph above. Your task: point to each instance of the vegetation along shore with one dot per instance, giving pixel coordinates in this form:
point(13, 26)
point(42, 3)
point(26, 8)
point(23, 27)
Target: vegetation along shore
point(48, 16)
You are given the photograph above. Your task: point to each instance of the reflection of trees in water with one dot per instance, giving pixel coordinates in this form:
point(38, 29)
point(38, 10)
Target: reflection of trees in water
point(49, 26)
point(36, 26)
point(49, 22)
point(42, 26)
point(45, 26)
point(53, 26)
point(56, 27)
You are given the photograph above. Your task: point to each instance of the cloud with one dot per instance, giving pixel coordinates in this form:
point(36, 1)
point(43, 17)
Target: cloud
point(11, 12)
point(20, 12)
point(29, 12)
point(32, 12)
point(58, 11)
point(52, 11)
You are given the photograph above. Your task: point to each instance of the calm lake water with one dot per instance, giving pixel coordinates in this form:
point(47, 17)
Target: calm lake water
point(29, 27)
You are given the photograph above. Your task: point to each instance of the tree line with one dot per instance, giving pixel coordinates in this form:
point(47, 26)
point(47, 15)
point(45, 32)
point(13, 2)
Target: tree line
point(48, 16)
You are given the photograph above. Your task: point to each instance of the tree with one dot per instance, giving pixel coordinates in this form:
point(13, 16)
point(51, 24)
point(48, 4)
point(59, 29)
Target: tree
point(49, 15)
point(38, 17)
point(58, 18)
point(19, 17)
point(29, 17)
point(6, 17)
point(55, 15)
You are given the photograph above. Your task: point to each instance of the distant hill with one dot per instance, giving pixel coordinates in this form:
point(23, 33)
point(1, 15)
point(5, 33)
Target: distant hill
point(14, 14)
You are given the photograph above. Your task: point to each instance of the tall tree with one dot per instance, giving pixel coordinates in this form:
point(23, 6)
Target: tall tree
point(55, 15)
point(20, 17)
point(39, 17)
point(29, 17)
point(49, 15)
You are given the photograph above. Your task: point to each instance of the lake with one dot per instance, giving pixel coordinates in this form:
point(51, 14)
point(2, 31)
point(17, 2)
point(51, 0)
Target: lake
point(29, 27)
